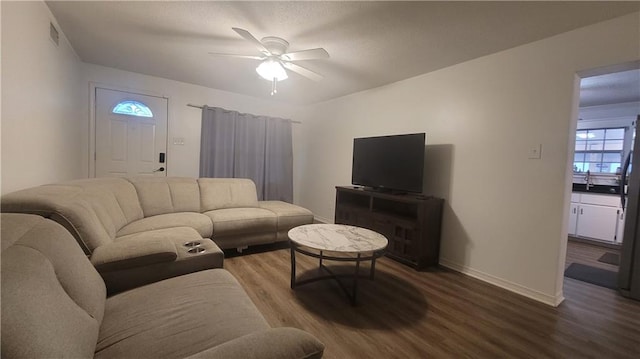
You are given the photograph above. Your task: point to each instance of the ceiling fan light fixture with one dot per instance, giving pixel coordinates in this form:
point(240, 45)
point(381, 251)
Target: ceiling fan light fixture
point(271, 70)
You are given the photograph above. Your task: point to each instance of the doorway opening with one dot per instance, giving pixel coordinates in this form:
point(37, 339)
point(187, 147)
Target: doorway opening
point(609, 107)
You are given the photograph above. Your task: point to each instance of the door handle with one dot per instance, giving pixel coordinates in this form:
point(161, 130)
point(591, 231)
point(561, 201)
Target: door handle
point(161, 169)
point(623, 180)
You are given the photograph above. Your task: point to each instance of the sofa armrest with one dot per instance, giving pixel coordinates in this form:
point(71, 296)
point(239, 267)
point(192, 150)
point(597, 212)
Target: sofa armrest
point(276, 343)
point(131, 254)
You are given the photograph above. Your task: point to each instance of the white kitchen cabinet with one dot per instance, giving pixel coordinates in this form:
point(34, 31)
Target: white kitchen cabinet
point(600, 199)
point(573, 219)
point(599, 222)
point(575, 197)
point(596, 216)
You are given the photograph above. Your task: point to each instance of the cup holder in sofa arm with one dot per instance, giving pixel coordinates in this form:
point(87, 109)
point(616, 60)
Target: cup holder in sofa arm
point(131, 254)
point(196, 250)
point(193, 244)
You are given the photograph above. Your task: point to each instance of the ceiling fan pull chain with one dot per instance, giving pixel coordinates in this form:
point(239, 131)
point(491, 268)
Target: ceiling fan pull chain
point(273, 86)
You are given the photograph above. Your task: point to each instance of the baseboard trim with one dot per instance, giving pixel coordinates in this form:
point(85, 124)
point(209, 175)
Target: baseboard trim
point(505, 284)
point(595, 242)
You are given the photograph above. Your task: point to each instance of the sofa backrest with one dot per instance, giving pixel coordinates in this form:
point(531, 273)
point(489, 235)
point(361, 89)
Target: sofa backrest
point(160, 195)
point(218, 193)
point(120, 198)
point(93, 210)
point(53, 299)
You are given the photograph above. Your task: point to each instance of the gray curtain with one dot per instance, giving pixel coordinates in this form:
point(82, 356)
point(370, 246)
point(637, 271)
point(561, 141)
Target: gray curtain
point(249, 150)
point(217, 143)
point(278, 160)
point(239, 145)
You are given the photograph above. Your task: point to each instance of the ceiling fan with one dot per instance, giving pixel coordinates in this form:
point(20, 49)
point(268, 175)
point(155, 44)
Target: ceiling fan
point(275, 58)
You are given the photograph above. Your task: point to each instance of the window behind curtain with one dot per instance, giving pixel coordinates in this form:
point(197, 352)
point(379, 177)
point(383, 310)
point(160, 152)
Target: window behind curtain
point(237, 145)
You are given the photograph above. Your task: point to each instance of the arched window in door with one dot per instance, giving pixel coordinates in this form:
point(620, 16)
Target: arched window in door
point(132, 108)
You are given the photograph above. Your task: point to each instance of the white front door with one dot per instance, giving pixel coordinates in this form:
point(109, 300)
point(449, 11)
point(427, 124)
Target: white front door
point(131, 134)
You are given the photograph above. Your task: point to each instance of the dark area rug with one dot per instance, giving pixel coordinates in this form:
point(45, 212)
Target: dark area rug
point(610, 258)
point(593, 275)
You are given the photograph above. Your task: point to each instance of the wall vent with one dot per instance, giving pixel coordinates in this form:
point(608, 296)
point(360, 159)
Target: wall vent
point(53, 34)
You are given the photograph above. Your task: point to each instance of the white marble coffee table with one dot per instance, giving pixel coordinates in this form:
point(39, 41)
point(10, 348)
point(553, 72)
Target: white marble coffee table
point(336, 242)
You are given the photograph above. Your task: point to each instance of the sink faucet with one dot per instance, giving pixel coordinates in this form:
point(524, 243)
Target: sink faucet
point(588, 179)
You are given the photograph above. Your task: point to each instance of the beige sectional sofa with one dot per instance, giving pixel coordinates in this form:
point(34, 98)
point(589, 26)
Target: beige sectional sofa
point(54, 305)
point(144, 229)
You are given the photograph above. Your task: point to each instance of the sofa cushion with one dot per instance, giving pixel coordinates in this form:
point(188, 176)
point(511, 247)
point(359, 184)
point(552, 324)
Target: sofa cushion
point(176, 235)
point(52, 297)
point(218, 193)
point(113, 200)
point(281, 343)
point(160, 195)
point(289, 215)
point(198, 311)
point(131, 254)
point(197, 221)
point(121, 190)
point(234, 221)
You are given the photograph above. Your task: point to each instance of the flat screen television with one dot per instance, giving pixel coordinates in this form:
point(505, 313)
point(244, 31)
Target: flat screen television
point(392, 163)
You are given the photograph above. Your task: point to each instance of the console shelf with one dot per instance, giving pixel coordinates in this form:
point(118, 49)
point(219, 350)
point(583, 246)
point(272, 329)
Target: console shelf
point(411, 223)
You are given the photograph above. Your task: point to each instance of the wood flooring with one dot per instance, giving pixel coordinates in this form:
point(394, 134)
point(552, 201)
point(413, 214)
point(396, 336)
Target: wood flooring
point(585, 253)
point(439, 314)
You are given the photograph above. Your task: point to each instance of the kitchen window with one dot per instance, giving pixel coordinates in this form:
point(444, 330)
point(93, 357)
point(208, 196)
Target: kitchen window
point(599, 150)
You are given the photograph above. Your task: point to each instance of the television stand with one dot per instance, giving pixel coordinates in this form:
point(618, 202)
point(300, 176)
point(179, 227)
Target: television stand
point(411, 223)
point(386, 190)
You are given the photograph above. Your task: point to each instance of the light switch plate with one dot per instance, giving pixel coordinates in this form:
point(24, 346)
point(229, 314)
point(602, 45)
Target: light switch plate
point(178, 141)
point(535, 152)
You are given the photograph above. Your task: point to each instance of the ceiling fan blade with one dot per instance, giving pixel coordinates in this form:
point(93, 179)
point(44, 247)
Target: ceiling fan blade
point(238, 56)
point(247, 36)
point(302, 71)
point(310, 54)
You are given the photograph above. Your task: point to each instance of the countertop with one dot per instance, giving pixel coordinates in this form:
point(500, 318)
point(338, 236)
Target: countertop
point(597, 189)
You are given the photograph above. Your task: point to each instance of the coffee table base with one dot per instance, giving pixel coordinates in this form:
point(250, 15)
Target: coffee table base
point(350, 292)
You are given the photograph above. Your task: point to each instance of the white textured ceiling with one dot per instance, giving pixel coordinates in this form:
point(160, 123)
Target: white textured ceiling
point(619, 87)
point(370, 43)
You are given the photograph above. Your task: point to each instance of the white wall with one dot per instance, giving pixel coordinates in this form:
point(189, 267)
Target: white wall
point(184, 121)
point(504, 213)
point(41, 123)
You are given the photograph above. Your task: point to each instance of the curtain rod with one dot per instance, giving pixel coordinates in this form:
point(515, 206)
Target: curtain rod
point(201, 107)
